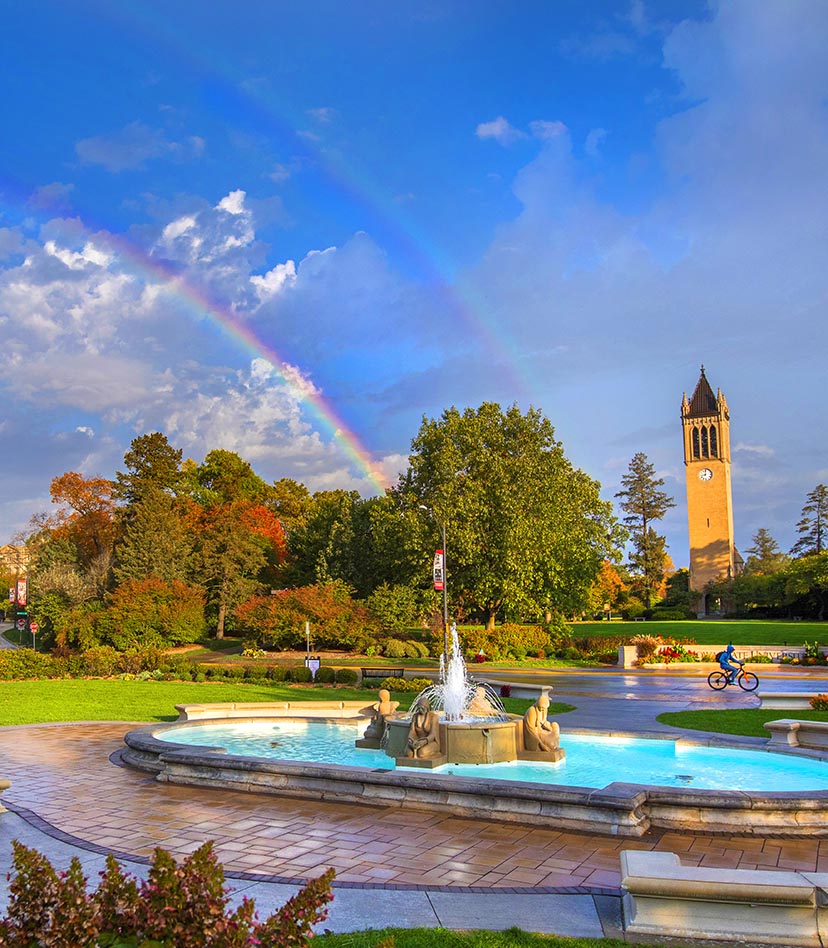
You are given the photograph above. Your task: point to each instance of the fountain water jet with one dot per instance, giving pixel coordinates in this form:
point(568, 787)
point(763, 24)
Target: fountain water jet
point(461, 721)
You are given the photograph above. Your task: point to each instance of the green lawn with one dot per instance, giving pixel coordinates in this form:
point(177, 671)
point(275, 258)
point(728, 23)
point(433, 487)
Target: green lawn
point(746, 722)
point(445, 938)
point(714, 632)
point(73, 699)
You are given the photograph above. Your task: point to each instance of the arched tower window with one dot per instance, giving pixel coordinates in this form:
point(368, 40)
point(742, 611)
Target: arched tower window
point(705, 447)
point(714, 446)
point(696, 452)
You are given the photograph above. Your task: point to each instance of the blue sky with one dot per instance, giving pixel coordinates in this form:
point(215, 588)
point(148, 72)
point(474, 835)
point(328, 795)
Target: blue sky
point(411, 206)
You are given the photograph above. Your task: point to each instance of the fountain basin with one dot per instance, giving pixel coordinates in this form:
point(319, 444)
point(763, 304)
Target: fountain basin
point(620, 808)
point(467, 742)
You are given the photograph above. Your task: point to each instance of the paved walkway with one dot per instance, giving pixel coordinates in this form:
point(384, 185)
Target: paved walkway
point(394, 867)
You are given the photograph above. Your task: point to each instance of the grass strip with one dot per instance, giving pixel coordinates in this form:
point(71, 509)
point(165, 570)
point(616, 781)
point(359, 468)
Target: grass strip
point(446, 938)
point(111, 699)
point(744, 722)
point(720, 632)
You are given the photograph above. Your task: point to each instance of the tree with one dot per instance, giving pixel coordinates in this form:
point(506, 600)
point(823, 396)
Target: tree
point(225, 478)
point(643, 501)
point(813, 527)
point(290, 501)
point(152, 464)
point(524, 528)
point(228, 559)
point(157, 541)
point(87, 524)
point(807, 580)
point(765, 556)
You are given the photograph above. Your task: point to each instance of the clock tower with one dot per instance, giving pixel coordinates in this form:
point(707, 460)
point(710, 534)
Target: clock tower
point(706, 422)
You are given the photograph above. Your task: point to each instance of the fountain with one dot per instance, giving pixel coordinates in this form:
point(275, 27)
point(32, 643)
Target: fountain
point(461, 721)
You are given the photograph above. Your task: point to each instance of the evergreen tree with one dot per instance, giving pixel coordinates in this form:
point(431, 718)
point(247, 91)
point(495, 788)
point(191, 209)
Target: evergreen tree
point(158, 540)
point(152, 464)
point(813, 527)
point(765, 556)
point(643, 501)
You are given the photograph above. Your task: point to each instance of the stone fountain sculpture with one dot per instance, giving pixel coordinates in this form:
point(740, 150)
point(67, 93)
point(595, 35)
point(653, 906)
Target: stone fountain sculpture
point(375, 732)
point(461, 721)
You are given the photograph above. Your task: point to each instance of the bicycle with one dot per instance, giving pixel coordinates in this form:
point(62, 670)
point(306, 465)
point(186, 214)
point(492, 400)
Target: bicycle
point(719, 680)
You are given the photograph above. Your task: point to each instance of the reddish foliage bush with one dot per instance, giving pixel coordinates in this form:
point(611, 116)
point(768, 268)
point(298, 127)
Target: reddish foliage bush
point(178, 906)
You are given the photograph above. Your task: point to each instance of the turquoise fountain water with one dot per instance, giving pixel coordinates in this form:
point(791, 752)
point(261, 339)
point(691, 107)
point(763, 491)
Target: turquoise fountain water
point(591, 761)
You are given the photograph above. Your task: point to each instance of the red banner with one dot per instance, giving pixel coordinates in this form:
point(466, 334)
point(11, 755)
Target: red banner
point(21, 592)
point(439, 576)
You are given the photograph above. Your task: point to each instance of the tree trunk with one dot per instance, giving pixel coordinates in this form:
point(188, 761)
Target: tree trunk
point(490, 620)
point(220, 624)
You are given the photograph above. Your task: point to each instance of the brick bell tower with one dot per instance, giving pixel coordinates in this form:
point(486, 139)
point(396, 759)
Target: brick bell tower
point(706, 423)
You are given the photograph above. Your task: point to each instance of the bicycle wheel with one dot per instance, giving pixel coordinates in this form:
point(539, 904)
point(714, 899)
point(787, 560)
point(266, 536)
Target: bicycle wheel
point(748, 681)
point(717, 680)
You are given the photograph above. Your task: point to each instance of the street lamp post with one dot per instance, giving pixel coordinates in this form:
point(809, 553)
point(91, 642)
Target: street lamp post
point(442, 526)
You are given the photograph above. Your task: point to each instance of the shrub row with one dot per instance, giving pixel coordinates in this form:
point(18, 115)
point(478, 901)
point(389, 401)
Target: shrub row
point(151, 664)
point(405, 684)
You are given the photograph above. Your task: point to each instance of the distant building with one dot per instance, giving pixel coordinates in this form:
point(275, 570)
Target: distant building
point(14, 559)
point(713, 556)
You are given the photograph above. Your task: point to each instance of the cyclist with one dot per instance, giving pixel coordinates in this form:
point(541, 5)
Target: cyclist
point(725, 659)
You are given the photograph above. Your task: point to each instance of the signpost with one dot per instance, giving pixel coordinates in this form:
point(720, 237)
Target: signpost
point(34, 627)
point(439, 572)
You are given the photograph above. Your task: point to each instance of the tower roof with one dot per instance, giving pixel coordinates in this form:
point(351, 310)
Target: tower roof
point(703, 401)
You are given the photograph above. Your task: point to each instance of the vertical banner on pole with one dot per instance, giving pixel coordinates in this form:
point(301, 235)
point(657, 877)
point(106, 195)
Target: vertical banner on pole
point(439, 577)
point(21, 592)
point(11, 593)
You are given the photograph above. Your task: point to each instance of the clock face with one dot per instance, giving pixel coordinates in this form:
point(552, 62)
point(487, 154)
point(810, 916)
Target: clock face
point(705, 474)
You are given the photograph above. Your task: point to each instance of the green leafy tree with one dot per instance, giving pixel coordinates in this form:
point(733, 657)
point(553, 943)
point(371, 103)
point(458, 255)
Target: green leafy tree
point(643, 502)
point(225, 478)
point(525, 530)
point(152, 465)
point(291, 501)
point(394, 608)
point(807, 582)
point(813, 526)
point(765, 557)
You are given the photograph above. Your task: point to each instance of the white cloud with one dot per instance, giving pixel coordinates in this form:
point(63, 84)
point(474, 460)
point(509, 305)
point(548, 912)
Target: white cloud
point(133, 146)
point(500, 130)
point(233, 203)
point(544, 130)
point(279, 173)
point(178, 227)
point(275, 280)
point(758, 450)
point(595, 138)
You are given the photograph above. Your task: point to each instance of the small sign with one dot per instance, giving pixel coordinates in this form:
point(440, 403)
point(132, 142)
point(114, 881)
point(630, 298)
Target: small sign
point(313, 664)
point(34, 626)
point(439, 577)
point(21, 624)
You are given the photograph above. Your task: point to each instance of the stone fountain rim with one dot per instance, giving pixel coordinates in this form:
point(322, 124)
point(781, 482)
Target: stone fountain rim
point(620, 808)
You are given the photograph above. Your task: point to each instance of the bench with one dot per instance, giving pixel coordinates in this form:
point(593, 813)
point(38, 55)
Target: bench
point(788, 732)
point(786, 699)
point(4, 785)
point(639, 618)
point(383, 672)
point(664, 898)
